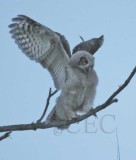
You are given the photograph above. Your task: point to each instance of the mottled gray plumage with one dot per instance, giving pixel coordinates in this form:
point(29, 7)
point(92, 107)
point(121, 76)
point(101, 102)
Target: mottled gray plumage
point(72, 74)
point(78, 92)
point(43, 45)
point(90, 46)
point(47, 47)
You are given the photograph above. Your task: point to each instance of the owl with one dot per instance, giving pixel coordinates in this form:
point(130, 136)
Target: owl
point(73, 74)
point(78, 91)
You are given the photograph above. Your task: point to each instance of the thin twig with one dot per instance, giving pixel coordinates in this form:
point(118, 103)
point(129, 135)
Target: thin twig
point(47, 104)
point(122, 86)
point(43, 125)
point(6, 135)
point(82, 38)
point(118, 149)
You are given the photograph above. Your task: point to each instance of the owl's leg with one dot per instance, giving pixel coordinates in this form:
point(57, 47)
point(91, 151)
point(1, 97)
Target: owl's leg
point(70, 114)
point(88, 109)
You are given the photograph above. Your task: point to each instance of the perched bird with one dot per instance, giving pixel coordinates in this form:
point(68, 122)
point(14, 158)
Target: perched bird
point(72, 74)
point(78, 91)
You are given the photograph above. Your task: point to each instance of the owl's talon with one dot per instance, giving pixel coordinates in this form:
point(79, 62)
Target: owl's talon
point(95, 115)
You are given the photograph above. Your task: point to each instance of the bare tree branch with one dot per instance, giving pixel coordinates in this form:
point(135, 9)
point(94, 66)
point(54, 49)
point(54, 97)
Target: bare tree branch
point(43, 125)
point(6, 135)
point(47, 104)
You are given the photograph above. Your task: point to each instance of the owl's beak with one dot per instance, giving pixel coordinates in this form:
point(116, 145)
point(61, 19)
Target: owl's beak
point(88, 68)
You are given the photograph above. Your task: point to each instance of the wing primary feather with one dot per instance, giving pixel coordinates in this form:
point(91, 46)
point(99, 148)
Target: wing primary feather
point(43, 45)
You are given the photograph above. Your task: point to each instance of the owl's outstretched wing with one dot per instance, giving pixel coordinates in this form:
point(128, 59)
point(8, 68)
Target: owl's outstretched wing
point(42, 45)
point(90, 46)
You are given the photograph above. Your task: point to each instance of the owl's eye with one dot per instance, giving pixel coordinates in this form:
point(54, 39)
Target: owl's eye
point(83, 61)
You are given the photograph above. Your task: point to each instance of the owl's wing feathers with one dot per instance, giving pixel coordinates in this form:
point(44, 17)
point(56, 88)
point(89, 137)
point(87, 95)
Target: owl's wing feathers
point(42, 45)
point(90, 46)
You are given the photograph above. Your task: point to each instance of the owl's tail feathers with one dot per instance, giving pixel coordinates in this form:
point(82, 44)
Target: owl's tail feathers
point(52, 117)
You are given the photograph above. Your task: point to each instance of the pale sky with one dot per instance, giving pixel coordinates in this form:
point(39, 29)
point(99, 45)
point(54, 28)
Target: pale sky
point(24, 84)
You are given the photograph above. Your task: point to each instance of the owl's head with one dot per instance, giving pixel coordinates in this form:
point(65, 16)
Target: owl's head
point(82, 60)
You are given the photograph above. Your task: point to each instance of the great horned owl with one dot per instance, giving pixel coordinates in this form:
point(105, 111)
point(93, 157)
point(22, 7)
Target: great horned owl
point(72, 74)
point(78, 91)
